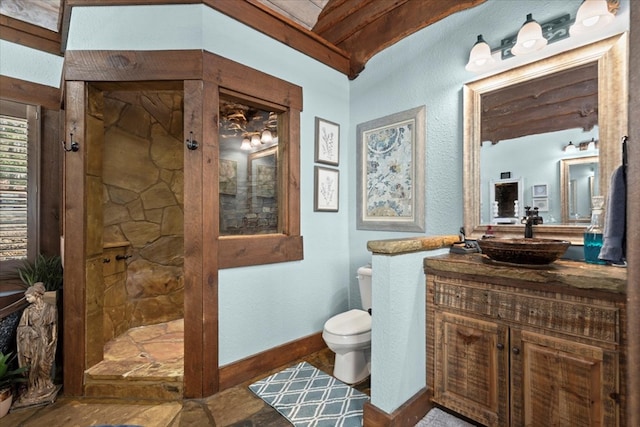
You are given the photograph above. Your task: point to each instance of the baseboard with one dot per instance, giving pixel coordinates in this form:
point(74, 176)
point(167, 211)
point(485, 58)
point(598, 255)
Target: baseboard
point(243, 370)
point(407, 415)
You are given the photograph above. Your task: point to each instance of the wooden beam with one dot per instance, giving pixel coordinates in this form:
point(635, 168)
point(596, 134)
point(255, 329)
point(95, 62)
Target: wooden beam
point(29, 35)
point(128, 66)
point(193, 244)
point(30, 93)
point(400, 19)
point(75, 213)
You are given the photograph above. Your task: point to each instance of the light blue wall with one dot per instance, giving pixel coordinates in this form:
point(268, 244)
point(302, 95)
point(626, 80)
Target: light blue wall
point(25, 63)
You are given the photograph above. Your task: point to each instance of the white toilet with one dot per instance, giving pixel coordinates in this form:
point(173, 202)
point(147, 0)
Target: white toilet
point(348, 335)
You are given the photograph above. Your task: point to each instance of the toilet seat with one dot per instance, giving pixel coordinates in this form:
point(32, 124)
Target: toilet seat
point(352, 322)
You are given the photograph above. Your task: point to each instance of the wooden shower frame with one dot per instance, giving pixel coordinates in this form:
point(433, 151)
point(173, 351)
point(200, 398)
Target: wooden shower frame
point(203, 75)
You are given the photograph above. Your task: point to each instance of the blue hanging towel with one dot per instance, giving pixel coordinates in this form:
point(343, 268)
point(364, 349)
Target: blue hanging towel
point(613, 242)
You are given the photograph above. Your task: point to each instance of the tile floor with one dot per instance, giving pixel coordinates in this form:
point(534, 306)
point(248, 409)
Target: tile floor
point(237, 406)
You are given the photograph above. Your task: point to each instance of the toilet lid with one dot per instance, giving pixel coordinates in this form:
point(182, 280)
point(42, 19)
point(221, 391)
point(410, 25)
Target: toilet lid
point(352, 322)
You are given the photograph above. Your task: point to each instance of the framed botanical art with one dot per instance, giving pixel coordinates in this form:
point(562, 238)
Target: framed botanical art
point(390, 172)
point(326, 189)
point(542, 204)
point(327, 142)
point(539, 190)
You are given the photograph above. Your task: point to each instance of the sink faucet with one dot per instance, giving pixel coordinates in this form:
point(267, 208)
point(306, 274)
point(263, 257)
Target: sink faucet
point(529, 220)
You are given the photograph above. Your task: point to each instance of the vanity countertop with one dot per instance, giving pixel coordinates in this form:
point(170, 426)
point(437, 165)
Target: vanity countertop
point(411, 244)
point(569, 275)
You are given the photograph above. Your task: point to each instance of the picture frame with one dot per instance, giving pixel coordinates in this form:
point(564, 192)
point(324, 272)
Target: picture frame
point(542, 204)
point(390, 172)
point(228, 177)
point(505, 175)
point(326, 190)
point(327, 142)
point(539, 190)
point(262, 172)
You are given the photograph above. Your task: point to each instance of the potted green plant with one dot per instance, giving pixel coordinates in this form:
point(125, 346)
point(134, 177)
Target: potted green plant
point(45, 269)
point(9, 378)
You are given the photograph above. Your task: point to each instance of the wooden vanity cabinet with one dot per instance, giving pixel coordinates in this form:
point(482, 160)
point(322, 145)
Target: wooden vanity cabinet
point(503, 351)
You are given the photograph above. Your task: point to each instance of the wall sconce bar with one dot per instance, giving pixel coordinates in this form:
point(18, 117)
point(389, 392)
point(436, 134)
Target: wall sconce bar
point(554, 30)
point(591, 16)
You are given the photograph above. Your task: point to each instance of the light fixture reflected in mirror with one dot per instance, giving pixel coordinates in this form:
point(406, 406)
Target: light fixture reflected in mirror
point(266, 137)
point(480, 57)
point(592, 15)
point(530, 38)
point(569, 148)
point(246, 144)
point(255, 140)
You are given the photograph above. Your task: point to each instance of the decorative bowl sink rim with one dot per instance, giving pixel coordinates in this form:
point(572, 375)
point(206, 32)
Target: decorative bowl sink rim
point(523, 251)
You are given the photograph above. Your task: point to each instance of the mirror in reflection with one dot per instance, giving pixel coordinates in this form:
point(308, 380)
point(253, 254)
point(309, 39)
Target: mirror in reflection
point(580, 182)
point(505, 196)
point(248, 168)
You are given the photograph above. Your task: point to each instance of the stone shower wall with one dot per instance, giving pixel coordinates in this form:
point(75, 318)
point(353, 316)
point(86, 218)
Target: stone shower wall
point(143, 174)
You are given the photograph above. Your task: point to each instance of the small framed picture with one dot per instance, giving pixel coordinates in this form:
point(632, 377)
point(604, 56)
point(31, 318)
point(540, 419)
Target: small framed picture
point(505, 175)
point(327, 142)
point(326, 189)
point(539, 190)
point(542, 204)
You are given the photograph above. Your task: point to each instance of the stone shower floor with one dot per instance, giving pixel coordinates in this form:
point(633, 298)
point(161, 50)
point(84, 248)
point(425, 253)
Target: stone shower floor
point(153, 351)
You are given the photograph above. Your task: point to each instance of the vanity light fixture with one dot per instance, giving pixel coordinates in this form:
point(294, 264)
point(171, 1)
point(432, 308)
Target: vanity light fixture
point(255, 140)
point(592, 15)
point(570, 148)
point(530, 38)
point(480, 57)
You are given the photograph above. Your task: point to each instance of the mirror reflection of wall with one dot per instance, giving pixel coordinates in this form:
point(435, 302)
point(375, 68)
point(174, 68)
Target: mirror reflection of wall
point(535, 159)
point(248, 179)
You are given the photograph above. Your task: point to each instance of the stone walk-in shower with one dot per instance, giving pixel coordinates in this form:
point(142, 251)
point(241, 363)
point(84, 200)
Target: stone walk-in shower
point(141, 170)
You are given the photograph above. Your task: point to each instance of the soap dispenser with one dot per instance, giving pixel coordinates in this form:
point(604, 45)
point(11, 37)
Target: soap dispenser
point(593, 234)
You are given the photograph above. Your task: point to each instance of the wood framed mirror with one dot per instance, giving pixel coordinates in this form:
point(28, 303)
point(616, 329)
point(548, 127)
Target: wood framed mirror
point(610, 57)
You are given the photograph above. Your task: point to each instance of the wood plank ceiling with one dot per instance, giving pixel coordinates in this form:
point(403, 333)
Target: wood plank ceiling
point(361, 28)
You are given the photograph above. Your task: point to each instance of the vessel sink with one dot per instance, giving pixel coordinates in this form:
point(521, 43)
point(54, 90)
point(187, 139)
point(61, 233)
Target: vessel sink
point(530, 251)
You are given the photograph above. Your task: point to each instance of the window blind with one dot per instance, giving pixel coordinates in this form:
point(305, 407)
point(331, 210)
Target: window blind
point(13, 187)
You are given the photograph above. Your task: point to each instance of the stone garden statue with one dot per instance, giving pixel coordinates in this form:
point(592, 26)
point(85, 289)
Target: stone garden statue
point(37, 337)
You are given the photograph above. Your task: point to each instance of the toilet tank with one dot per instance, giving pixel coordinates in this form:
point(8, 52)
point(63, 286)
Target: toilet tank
point(364, 280)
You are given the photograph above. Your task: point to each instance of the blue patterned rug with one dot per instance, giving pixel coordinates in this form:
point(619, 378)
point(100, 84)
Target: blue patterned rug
point(308, 397)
